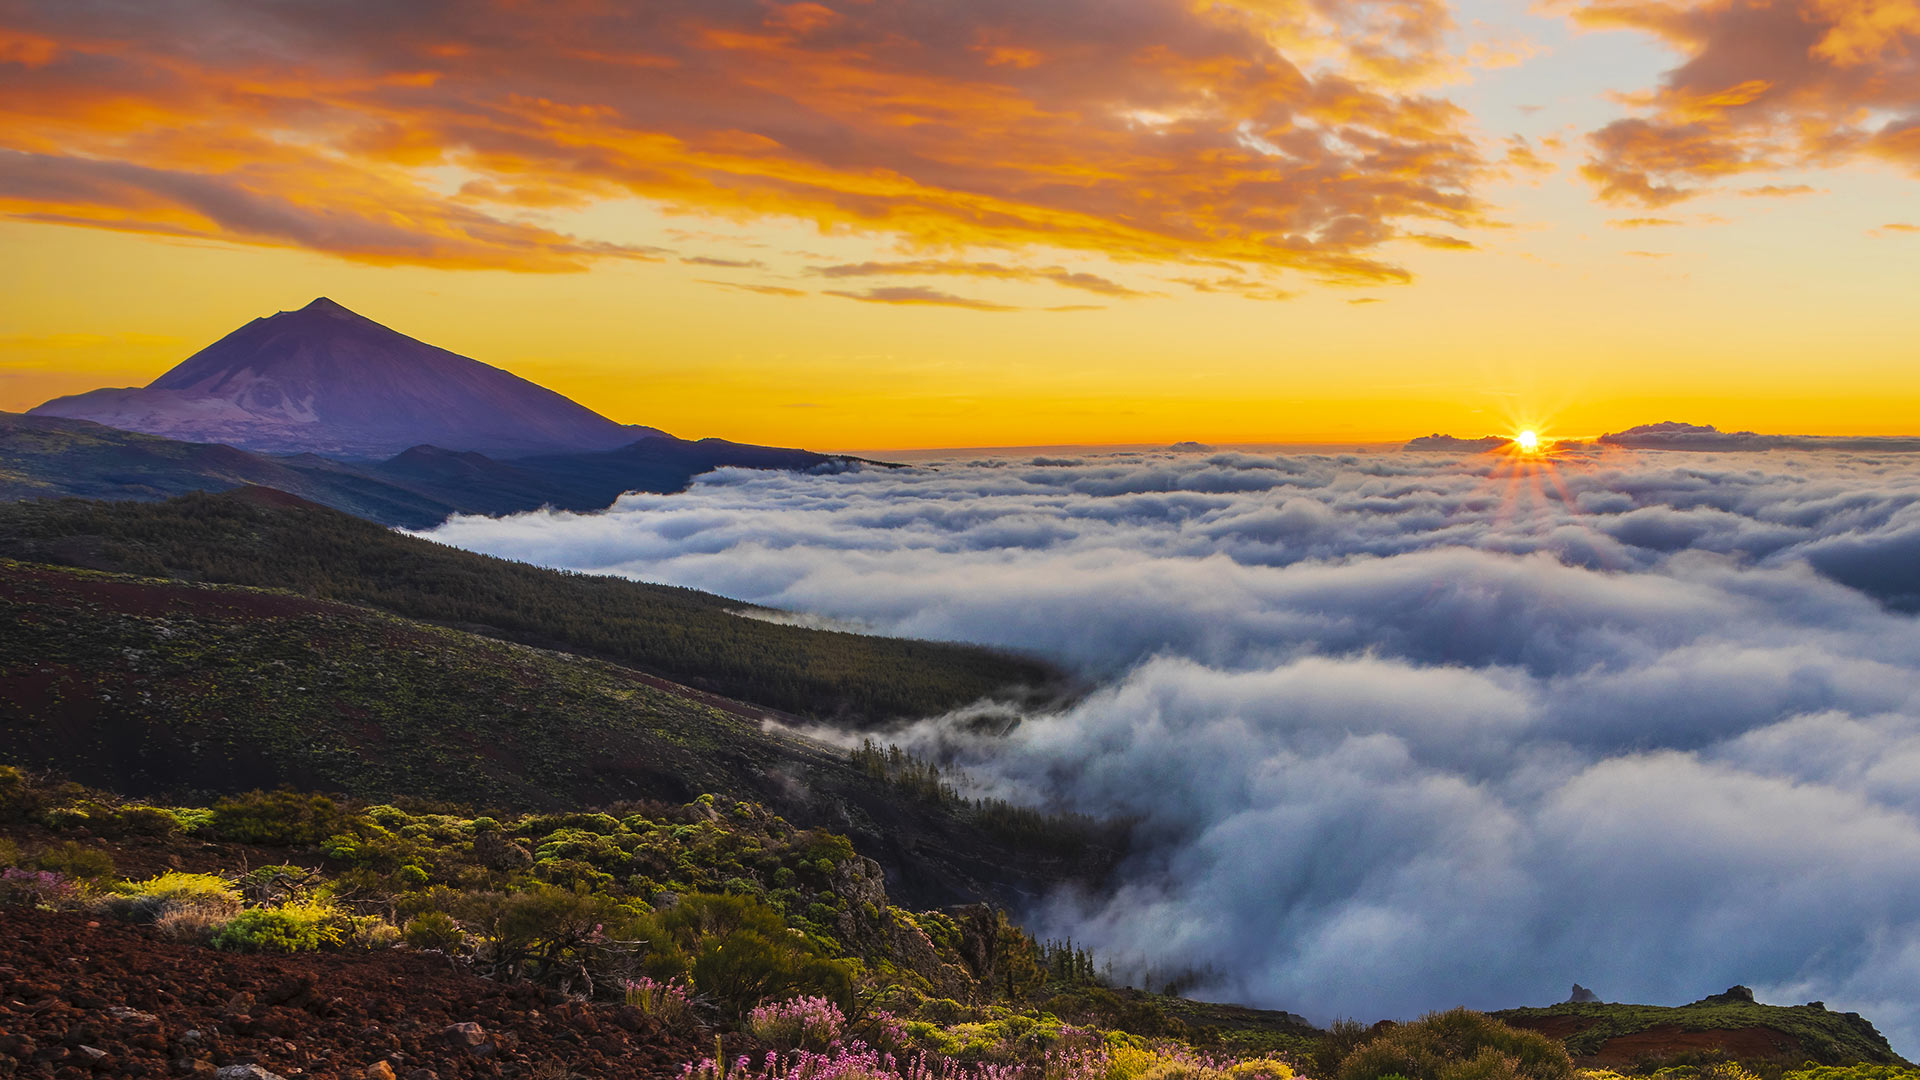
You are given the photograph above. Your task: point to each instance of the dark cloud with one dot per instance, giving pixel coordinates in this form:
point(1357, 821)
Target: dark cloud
point(1404, 731)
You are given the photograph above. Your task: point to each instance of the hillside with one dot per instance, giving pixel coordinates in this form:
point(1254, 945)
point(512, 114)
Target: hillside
point(257, 539)
point(46, 456)
point(327, 380)
point(154, 687)
point(1730, 1023)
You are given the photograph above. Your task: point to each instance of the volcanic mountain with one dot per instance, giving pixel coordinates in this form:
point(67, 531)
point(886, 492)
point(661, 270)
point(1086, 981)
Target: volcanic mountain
point(325, 380)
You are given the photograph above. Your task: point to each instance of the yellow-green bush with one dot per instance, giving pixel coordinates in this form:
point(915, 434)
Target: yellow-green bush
point(1459, 1045)
point(300, 926)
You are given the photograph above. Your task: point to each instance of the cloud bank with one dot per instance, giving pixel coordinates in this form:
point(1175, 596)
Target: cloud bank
point(1276, 136)
point(1405, 731)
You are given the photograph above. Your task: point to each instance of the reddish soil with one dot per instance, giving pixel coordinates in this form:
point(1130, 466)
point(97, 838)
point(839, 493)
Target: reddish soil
point(1554, 1027)
point(1666, 1040)
point(83, 997)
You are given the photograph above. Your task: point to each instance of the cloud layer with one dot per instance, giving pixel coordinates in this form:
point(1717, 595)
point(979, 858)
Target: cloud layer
point(1406, 731)
point(1274, 135)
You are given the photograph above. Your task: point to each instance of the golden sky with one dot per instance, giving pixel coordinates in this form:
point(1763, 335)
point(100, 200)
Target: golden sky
point(888, 223)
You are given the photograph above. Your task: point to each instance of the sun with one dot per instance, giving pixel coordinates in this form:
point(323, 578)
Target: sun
point(1528, 442)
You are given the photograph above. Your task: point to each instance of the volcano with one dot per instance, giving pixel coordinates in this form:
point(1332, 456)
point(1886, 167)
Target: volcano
point(325, 380)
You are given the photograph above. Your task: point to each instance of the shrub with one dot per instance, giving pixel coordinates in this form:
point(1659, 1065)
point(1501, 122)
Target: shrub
point(803, 1023)
point(207, 896)
point(666, 1002)
point(279, 819)
point(301, 926)
point(19, 800)
point(37, 888)
point(434, 930)
point(9, 853)
point(76, 861)
point(143, 821)
point(1459, 1045)
point(743, 953)
point(410, 876)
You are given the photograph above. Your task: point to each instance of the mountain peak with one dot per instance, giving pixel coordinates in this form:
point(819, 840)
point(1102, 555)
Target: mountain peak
point(324, 379)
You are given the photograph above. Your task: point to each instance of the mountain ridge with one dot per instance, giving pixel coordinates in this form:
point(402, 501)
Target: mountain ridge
point(325, 379)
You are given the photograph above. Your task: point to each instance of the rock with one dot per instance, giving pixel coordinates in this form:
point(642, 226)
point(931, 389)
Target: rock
point(1582, 995)
point(246, 1072)
point(135, 1016)
point(241, 1004)
point(90, 1054)
point(199, 1068)
point(469, 1036)
point(379, 1070)
point(1733, 995)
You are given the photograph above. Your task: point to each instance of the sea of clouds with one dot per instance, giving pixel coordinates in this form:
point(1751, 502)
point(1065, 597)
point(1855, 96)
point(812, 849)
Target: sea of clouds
point(1404, 731)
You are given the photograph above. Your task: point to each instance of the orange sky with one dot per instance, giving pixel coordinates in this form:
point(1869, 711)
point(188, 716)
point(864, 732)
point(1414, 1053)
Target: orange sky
point(879, 223)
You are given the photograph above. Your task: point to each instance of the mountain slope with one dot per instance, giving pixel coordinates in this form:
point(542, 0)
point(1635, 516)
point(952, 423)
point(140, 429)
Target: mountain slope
point(690, 637)
point(46, 456)
point(153, 687)
point(1609, 1035)
point(326, 380)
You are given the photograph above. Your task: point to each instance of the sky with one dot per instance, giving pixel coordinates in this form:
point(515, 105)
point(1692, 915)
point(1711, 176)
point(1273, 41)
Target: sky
point(879, 223)
point(1400, 732)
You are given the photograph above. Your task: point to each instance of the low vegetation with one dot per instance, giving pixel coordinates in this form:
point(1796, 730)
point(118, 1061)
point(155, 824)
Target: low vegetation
point(716, 917)
point(690, 637)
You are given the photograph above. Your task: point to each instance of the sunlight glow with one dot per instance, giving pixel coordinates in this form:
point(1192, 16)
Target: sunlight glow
point(1528, 442)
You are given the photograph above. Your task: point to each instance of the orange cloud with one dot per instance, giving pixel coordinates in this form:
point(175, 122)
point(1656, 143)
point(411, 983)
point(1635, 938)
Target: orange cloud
point(1182, 132)
point(1763, 84)
point(1056, 275)
point(917, 295)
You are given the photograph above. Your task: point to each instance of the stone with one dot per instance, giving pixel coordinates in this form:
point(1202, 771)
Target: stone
point(468, 1036)
point(379, 1070)
point(246, 1072)
point(1582, 995)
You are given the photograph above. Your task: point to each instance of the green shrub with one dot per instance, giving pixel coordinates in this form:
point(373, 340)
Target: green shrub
point(278, 819)
point(144, 821)
point(410, 876)
point(434, 930)
point(9, 853)
point(743, 953)
point(301, 926)
point(76, 861)
point(1458, 1045)
point(19, 800)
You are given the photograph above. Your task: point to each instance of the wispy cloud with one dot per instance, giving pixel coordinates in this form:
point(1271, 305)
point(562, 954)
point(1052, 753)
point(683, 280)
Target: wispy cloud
point(918, 295)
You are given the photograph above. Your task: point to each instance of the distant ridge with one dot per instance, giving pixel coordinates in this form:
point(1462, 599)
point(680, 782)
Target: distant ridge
point(326, 380)
point(1451, 444)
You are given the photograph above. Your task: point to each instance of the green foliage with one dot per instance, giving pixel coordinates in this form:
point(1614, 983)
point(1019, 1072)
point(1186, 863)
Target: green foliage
point(688, 636)
point(302, 926)
point(743, 953)
point(1854, 1072)
point(1458, 1045)
point(434, 930)
point(176, 887)
point(279, 818)
point(9, 853)
point(1826, 1037)
point(76, 861)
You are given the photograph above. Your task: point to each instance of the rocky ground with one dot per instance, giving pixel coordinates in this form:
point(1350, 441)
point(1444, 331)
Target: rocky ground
point(83, 996)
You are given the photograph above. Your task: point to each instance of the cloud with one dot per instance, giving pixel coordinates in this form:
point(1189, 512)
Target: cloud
point(1057, 275)
point(755, 287)
point(724, 264)
point(916, 295)
point(1282, 136)
point(1404, 731)
point(1644, 222)
point(1761, 86)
